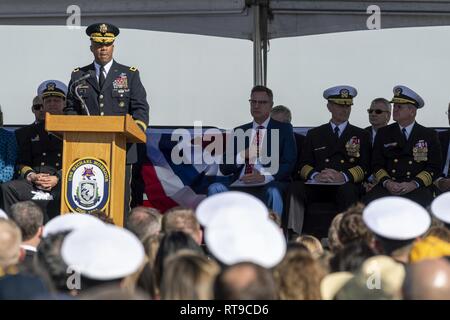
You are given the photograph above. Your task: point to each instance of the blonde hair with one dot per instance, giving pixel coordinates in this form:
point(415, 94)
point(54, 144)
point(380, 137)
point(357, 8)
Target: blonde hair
point(188, 276)
point(10, 240)
point(181, 219)
point(312, 244)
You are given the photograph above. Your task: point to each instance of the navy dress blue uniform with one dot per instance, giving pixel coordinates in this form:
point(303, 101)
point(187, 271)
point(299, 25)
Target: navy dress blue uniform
point(324, 149)
point(398, 158)
point(121, 93)
point(38, 152)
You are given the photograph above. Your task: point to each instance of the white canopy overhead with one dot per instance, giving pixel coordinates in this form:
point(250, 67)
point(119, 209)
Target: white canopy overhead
point(256, 20)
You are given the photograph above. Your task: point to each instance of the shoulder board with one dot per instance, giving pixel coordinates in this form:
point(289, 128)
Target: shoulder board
point(133, 69)
point(76, 70)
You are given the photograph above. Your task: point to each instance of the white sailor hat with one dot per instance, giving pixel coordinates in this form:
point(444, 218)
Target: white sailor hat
point(232, 201)
point(404, 95)
point(340, 94)
point(235, 237)
point(396, 218)
point(3, 214)
point(440, 207)
point(103, 253)
point(71, 222)
point(52, 88)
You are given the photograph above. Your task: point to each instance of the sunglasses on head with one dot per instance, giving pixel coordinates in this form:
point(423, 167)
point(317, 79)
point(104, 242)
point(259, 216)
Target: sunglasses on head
point(377, 111)
point(37, 107)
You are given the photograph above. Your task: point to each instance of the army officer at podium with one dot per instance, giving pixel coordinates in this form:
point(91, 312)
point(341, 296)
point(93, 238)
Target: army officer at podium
point(108, 88)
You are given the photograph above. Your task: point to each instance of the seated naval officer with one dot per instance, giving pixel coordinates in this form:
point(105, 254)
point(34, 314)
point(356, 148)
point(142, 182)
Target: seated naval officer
point(406, 157)
point(39, 157)
point(336, 155)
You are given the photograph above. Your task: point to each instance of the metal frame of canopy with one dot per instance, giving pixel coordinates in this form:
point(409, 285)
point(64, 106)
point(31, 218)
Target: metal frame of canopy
point(255, 20)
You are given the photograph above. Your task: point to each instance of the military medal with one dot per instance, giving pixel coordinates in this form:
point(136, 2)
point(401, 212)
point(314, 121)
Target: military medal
point(420, 151)
point(352, 146)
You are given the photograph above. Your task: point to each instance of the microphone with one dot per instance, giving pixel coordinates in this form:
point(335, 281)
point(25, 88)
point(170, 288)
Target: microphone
point(80, 79)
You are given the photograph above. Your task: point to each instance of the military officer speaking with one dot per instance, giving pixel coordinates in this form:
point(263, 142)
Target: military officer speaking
point(406, 157)
point(108, 88)
point(39, 157)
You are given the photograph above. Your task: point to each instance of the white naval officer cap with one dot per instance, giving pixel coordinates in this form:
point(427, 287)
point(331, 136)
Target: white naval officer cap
point(405, 95)
point(236, 236)
point(71, 222)
point(341, 94)
point(440, 207)
point(103, 253)
point(3, 214)
point(396, 218)
point(54, 88)
point(231, 201)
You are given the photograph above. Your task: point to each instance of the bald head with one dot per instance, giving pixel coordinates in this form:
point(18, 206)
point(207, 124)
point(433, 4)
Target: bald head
point(245, 281)
point(10, 240)
point(427, 280)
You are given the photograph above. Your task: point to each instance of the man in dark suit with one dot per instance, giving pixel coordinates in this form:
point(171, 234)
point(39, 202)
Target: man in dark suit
point(406, 157)
point(39, 159)
point(262, 164)
point(109, 88)
point(379, 116)
point(443, 182)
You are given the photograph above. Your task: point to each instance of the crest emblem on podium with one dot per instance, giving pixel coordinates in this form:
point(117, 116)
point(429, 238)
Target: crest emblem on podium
point(88, 181)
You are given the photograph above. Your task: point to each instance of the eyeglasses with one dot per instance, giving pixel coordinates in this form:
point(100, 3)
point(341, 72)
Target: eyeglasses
point(37, 107)
point(377, 111)
point(255, 102)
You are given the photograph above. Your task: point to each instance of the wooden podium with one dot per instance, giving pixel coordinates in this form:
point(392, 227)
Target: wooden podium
point(94, 152)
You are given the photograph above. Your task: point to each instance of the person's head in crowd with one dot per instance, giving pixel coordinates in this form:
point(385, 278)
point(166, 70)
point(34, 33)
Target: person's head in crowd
point(188, 276)
point(29, 218)
point(10, 241)
point(396, 223)
point(102, 36)
point(102, 216)
point(379, 113)
point(144, 221)
point(50, 263)
point(298, 276)
point(101, 255)
point(275, 218)
point(53, 93)
point(353, 228)
point(340, 101)
point(351, 256)
point(245, 281)
point(379, 278)
point(406, 102)
point(429, 248)
point(37, 108)
point(171, 243)
point(334, 244)
point(281, 113)
point(151, 246)
point(312, 244)
point(261, 103)
point(427, 280)
point(439, 232)
point(182, 219)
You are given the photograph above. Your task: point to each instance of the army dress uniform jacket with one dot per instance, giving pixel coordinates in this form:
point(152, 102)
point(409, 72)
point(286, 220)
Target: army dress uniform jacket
point(121, 94)
point(417, 159)
point(349, 154)
point(38, 151)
